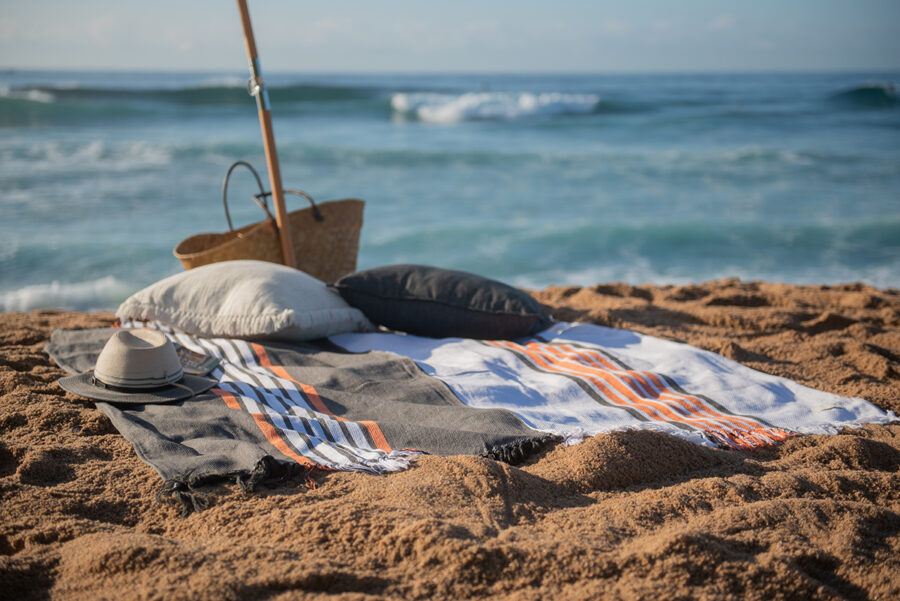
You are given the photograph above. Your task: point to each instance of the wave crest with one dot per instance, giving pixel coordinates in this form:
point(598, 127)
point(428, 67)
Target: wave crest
point(223, 91)
point(869, 95)
point(491, 106)
point(27, 94)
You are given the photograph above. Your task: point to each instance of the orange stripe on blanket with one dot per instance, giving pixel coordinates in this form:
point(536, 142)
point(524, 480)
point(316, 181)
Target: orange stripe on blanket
point(647, 380)
point(226, 396)
point(605, 381)
point(639, 382)
point(268, 430)
point(272, 435)
point(315, 400)
point(377, 435)
point(669, 407)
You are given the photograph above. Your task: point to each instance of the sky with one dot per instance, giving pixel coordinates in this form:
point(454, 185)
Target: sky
point(460, 36)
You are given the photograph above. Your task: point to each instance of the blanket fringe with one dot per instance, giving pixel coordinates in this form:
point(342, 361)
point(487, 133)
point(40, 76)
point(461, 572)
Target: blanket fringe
point(180, 494)
point(518, 451)
point(271, 472)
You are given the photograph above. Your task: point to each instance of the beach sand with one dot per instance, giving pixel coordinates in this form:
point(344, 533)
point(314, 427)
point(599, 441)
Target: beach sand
point(626, 515)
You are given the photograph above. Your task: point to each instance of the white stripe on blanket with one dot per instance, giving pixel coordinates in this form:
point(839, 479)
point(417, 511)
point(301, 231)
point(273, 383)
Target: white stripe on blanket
point(579, 379)
point(297, 429)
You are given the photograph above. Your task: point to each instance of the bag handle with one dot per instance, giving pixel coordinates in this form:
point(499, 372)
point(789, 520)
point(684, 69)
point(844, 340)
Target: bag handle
point(260, 198)
point(262, 203)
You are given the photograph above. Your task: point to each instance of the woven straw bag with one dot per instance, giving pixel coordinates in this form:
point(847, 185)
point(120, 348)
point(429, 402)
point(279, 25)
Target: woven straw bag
point(325, 236)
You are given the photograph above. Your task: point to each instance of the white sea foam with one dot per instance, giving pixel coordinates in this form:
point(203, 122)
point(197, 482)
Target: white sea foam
point(500, 106)
point(63, 156)
point(92, 295)
point(224, 81)
point(26, 94)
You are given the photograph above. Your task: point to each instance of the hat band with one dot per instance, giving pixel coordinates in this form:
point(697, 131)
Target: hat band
point(118, 388)
point(132, 382)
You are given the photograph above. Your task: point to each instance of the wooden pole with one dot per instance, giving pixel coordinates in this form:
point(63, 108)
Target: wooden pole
point(258, 89)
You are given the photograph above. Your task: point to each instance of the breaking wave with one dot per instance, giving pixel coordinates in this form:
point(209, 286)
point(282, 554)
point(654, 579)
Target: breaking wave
point(27, 94)
point(870, 95)
point(484, 106)
point(218, 92)
point(44, 105)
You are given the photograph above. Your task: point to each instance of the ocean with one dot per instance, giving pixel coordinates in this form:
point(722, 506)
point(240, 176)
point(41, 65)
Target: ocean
point(531, 179)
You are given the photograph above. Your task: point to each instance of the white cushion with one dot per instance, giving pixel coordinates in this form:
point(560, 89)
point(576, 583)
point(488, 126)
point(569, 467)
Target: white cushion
point(246, 299)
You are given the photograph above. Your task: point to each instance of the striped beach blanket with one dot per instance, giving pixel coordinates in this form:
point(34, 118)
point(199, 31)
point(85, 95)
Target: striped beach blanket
point(579, 379)
point(374, 402)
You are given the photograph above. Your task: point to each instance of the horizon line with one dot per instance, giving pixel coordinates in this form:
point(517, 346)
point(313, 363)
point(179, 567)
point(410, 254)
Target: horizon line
point(736, 71)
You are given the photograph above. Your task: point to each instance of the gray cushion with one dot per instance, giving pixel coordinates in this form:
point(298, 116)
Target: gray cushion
point(442, 303)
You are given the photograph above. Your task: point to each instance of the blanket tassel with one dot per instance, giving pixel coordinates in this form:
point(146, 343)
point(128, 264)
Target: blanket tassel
point(518, 451)
point(176, 493)
point(270, 472)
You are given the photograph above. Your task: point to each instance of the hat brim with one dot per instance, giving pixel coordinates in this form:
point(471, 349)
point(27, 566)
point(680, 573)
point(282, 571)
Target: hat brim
point(83, 386)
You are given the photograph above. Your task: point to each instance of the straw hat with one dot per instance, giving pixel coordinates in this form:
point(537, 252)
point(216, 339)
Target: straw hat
point(137, 367)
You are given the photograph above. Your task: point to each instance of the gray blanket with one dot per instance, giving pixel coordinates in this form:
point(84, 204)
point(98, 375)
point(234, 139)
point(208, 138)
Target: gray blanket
point(280, 409)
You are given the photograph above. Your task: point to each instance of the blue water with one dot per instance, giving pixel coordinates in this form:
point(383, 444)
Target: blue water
point(534, 180)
